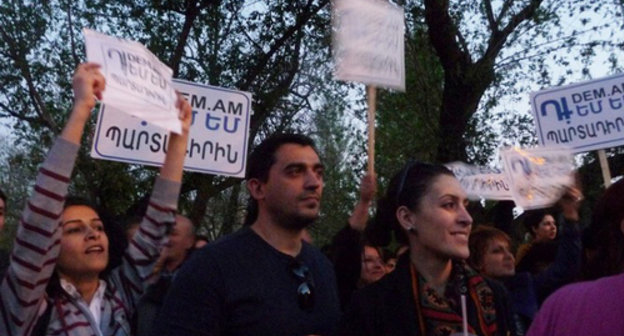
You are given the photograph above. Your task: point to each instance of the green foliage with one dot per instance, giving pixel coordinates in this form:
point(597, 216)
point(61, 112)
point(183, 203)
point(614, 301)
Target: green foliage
point(407, 122)
point(340, 141)
point(461, 98)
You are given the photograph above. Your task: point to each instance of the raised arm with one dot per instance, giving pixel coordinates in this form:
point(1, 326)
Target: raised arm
point(359, 216)
point(88, 83)
point(346, 249)
point(568, 259)
point(38, 236)
point(144, 248)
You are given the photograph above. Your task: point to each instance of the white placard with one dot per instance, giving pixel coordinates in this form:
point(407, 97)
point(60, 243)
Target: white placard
point(137, 82)
point(538, 176)
point(481, 182)
point(369, 42)
point(218, 137)
point(583, 117)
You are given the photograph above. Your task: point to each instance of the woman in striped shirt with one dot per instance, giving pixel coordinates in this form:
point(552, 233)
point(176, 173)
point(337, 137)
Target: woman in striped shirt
point(64, 248)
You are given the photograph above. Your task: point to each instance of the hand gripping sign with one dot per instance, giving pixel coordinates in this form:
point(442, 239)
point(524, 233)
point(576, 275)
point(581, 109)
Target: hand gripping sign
point(137, 83)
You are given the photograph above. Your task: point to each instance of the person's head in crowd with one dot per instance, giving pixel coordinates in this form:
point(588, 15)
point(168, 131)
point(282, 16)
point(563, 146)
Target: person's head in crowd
point(606, 236)
point(541, 225)
point(426, 207)
point(285, 181)
point(181, 239)
point(201, 241)
point(3, 208)
point(390, 260)
point(84, 248)
point(373, 266)
point(490, 252)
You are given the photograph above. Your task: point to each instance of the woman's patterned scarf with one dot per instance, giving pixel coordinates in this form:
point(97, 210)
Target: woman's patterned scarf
point(441, 316)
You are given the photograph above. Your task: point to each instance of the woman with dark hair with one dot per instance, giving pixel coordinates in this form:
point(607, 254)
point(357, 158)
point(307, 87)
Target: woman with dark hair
point(425, 206)
point(542, 228)
point(66, 248)
point(593, 307)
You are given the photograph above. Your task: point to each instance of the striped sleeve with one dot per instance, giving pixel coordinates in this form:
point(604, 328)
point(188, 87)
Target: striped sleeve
point(131, 278)
point(37, 242)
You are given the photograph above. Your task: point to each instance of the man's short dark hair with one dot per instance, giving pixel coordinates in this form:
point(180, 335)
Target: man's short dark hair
point(262, 159)
point(263, 156)
point(3, 197)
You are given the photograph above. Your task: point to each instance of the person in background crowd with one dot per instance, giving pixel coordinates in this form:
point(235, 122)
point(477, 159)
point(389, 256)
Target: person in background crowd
point(426, 207)
point(490, 254)
point(594, 307)
point(263, 279)
point(176, 249)
point(64, 247)
point(542, 228)
point(373, 266)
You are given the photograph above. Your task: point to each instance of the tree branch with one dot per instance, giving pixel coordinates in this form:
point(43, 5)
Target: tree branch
point(442, 34)
point(490, 16)
point(497, 40)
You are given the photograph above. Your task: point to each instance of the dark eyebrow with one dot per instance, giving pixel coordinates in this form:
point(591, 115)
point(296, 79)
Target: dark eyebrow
point(303, 165)
point(72, 221)
point(294, 165)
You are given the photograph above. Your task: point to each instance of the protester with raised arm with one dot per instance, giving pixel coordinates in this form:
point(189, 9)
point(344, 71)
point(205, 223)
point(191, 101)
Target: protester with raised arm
point(54, 285)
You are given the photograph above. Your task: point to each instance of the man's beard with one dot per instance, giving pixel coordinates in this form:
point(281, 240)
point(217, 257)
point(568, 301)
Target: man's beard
point(294, 221)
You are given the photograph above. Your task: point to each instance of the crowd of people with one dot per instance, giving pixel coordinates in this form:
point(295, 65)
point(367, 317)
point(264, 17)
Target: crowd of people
point(444, 274)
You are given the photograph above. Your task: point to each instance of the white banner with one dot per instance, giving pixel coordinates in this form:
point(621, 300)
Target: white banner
point(584, 116)
point(137, 82)
point(538, 176)
point(369, 42)
point(481, 182)
point(218, 137)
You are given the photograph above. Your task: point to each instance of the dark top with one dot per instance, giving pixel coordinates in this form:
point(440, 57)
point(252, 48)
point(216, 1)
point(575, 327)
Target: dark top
point(387, 307)
point(240, 285)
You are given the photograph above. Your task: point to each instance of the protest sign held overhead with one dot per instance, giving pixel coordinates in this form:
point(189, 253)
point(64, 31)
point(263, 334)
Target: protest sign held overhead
point(368, 42)
point(481, 182)
point(583, 117)
point(538, 176)
point(137, 82)
point(218, 136)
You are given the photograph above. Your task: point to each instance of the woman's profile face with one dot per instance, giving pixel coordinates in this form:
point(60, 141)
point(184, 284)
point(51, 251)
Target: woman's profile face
point(84, 244)
point(441, 222)
point(546, 229)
